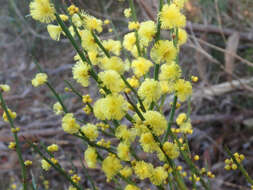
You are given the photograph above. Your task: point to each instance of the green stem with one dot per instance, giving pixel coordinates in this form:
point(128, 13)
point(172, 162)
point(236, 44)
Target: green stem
point(56, 167)
point(133, 11)
point(135, 92)
point(156, 71)
point(171, 116)
point(18, 149)
point(158, 26)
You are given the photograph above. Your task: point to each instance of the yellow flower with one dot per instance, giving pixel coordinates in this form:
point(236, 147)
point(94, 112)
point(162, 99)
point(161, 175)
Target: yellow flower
point(146, 32)
point(134, 82)
point(111, 80)
point(127, 12)
point(77, 21)
point(114, 106)
point(42, 10)
point(28, 163)
point(126, 135)
point(45, 165)
point(156, 121)
point(106, 22)
point(183, 89)
point(54, 31)
point(123, 151)
point(12, 145)
point(148, 143)
point(90, 156)
point(69, 124)
point(12, 114)
point(181, 118)
point(5, 87)
point(182, 36)
point(72, 188)
point(171, 17)
point(167, 87)
point(92, 23)
point(133, 25)
point(111, 166)
point(93, 55)
point(90, 131)
point(53, 148)
point(186, 127)
point(171, 150)
point(159, 176)
point(112, 46)
point(72, 9)
point(81, 73)
point(131, 187)
point(88, 41)
point(150, 90)
point(143, 170)
point(141, 66)
point(39, 79)
point(57, 107)
point(64, 17)
point(126, 171)
point(113, 63)
point(170, 72)
point(163, 51)
point(129, 41)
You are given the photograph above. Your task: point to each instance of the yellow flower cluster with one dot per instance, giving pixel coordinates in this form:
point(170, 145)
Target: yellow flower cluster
point(39, 79)
point(90, 156)
point(5, 87)
point(45, 165)
point(90, 131)
point(230, 163)
point(111, 166)
point(12, 114)
point(53, 148)
point(69, 124)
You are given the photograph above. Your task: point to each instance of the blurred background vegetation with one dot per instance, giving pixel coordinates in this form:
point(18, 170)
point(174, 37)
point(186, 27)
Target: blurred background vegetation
point(219, 51)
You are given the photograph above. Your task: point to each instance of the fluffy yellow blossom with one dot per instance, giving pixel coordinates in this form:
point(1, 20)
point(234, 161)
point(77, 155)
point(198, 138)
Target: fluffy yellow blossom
point(12, 114)
point(150, 90)
point(171, 17)
point(171, 150)
point(104, 143)
point(123, 151)
point(126, 135)
point(141, 66)
point(129, 41)
point(111, 166)
point(12, 145)
point(126, 171)
point(64, 17)
point(90, 156)
point(5, 87)
point(159, 176)
point(76, 20)
point(111, 80)
point(194, 78)
point(42, 10)
point(53, 148)
point(127, 12)
point(88, 41)
point(113, 63)
point(134, 82)
point(28, 163)
point(72, 188)
point(181, 118)
point(72, 9)
point(112, 46)
point(143, 169)
point(114, 106)
point(93, 55)
point(45, 165)
point(69, 124)
point(92, 23)
point(54, 161)
point(133, 25)
point(131, 187)
point(155, 121)
point(57, 107)
point(75, 178)
point(81, 73)
point(148, 143)
point(182, 36)
point(146, 32)
point(163, 51)
point(183, 89)
point(167, 87)
point(39, 79)
point(54, 31)
point(90, 131)
point(170, 72)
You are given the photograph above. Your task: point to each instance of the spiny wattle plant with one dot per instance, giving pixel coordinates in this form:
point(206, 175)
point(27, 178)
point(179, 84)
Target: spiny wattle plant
point(135, 77)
